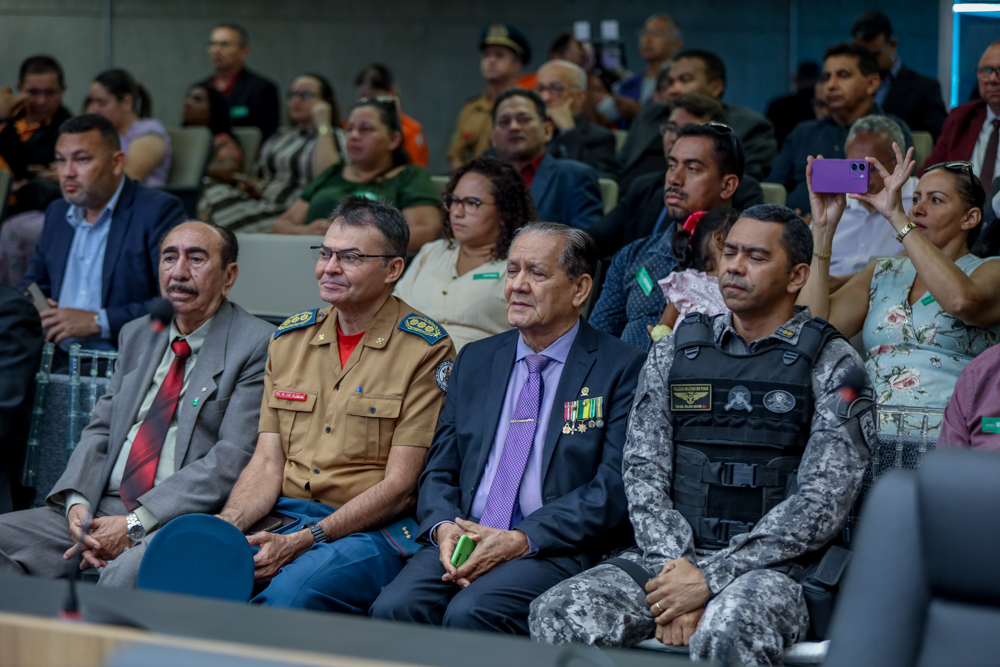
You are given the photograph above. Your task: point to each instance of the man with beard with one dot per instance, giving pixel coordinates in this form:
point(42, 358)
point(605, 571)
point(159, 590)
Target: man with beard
point(565, 191)
point(742, 461)
point(98, 254)
point(703, 172)
point(173, 431)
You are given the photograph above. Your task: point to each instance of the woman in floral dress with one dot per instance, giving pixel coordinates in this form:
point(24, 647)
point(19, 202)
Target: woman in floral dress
point(927, 313)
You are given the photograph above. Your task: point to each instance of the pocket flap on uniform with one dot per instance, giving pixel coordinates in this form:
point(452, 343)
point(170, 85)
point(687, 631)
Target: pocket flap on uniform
point(284, 398)
point(383, 407)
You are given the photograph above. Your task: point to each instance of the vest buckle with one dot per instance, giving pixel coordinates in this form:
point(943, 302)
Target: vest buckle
point(739, 474)
point(790, 357)
point(732, 528)
point(691, 352)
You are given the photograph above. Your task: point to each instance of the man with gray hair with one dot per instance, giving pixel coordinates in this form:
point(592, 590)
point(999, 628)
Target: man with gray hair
point(527, 460)
point(351, 400)
point(863, 232)
point(563, 86)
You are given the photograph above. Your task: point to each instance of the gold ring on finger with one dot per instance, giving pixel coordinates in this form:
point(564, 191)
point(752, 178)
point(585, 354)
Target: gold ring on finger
point(657, 605)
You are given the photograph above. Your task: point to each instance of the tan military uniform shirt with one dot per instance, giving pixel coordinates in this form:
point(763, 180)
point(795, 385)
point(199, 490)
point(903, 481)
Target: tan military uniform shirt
point(472, 131)
point(337, 424)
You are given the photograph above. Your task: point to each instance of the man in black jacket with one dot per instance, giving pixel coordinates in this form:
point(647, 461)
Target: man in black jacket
point(563, 86)
point(253, 100)
point(913, 97)
point(20, 352)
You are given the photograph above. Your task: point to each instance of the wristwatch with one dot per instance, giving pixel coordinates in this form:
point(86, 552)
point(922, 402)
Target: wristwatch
point(324, 130)
point(135, 530)
point(318, 535)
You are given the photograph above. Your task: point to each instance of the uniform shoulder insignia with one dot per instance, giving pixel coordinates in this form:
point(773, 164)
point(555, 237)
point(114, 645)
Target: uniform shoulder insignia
point(424, 327)
point(297, 322)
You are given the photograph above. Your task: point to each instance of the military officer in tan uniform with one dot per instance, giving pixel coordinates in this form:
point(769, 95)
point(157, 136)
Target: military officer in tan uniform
point(504, 52)
point(351, 401)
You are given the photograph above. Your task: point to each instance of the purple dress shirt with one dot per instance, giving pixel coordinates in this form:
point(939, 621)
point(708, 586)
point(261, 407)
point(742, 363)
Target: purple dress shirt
point(976, 400)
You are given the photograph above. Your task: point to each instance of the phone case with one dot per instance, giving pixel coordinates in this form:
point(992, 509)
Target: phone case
point(462, 550)
point(847, 176)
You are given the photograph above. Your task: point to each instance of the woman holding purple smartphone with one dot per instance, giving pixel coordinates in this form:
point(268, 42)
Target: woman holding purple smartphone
point(925, 313)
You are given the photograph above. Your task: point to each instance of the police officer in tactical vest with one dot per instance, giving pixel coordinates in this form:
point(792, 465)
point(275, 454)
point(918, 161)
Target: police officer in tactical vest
point(743, 458)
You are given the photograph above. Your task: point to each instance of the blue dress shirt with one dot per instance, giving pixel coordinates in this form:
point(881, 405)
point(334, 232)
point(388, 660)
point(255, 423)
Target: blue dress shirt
point(82, 285)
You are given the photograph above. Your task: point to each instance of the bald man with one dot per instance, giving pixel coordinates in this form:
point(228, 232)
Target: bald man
point(563, 86)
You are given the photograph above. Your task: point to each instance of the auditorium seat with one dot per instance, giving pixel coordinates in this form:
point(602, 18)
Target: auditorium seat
point(774, 193)
point(277, 276)
point(249, 138)
point(609, 193)
point(923, 144)
point(924, 587)
point(191, 149)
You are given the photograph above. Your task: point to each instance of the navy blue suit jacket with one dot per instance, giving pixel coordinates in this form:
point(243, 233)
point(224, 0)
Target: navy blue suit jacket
point(583, 496)
point(567, 191)
point(142, 216)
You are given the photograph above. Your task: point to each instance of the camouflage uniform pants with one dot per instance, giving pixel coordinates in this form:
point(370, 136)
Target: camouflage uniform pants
point(749, 623)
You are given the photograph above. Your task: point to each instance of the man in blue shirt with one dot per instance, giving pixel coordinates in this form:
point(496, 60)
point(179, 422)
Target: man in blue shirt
point(703, 172)
point(849, 81)
point(97, 257)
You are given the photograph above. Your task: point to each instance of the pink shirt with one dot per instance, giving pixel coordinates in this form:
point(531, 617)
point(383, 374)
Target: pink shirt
point(974, 405)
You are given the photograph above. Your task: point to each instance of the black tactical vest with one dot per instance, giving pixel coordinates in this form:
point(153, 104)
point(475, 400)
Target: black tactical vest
point(741, 424)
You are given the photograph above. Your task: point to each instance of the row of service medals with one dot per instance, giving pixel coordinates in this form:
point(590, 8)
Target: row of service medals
point(583, 414)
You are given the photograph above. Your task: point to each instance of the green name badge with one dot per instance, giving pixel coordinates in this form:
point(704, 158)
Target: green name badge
point(927, 300)
point(486, 276)
point(645, 282)
point(991, 424)
point(240, 111)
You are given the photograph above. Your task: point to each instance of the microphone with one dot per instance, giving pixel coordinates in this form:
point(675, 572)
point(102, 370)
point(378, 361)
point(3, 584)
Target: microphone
point(161, 312)
point(71, 605)
point(852, 385)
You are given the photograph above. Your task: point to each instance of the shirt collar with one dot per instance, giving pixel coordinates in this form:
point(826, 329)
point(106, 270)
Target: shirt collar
point(557, 351)
point(786, 333)
point(531, 169)
point(894, 70)
point(196, 338)
point(990, 116)
point(75, 214)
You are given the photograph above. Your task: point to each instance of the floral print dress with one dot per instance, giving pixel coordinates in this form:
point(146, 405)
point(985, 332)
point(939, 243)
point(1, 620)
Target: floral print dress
point(916, 353)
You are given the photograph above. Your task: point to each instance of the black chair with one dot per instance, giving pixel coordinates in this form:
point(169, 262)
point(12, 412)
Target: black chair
point(924, 587)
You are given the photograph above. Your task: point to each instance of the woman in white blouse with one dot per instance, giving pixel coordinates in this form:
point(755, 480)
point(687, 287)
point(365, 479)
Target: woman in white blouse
point(459, 280)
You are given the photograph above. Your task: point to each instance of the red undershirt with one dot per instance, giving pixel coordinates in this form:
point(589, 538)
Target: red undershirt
point(531, 169)
point(226, 87)
point(347, 344)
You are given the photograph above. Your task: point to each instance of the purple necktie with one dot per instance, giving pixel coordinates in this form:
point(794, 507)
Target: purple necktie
point(516, 448)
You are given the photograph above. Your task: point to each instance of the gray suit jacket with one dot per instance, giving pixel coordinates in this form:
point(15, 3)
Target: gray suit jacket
point(215, 439)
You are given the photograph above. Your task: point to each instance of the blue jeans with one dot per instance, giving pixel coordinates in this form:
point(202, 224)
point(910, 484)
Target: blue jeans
point(345, 576)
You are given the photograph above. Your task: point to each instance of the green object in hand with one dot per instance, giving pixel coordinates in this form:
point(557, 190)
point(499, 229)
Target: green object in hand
point(659, 331)
point(462, 550)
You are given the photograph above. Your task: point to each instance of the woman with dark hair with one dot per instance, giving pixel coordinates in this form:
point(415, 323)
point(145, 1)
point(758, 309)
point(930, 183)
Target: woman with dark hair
point(379, 168)
point(126, 103)
point(693, 287)
point(923, 314)
point(287, 162)
point(459, 280)
point(204, 106)
point(376, 81)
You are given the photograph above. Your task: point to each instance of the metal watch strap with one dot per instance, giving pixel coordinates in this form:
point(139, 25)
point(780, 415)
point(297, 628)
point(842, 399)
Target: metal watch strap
point(904, 231)
point(318, 535)
point(134, 527)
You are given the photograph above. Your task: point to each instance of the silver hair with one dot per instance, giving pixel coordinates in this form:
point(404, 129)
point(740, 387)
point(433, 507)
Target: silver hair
point(579, 256)
point(882, 126)
point(578, 72)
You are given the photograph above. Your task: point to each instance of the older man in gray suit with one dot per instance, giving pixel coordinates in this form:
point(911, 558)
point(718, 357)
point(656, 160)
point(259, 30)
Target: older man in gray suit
point(172, 434)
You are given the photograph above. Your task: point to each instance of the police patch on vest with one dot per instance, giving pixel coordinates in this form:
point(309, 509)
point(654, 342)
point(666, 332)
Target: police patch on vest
point(297, 322)
point(424, 327)
point(868, 428)
point(785, 333)
point(443, 373)
point(779, 401)
point(739, 399)
point(690, 397)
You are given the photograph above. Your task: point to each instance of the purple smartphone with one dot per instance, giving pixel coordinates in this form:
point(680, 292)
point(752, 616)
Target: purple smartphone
point(840, 176)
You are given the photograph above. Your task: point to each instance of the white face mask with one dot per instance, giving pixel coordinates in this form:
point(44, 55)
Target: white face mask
point(607, 108)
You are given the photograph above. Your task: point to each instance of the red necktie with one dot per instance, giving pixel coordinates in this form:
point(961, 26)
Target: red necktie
point(989, 162)
point(143, 459)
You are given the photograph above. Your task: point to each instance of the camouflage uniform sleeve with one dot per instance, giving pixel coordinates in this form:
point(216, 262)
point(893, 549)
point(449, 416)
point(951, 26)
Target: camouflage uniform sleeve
point(660, 531)
point(829, 479)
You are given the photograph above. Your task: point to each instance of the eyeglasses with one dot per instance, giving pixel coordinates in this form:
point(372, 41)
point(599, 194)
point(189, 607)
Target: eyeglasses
point(223, 44)
point(345, 258)
point(985, 73)
point(467, 203)
point(304, 95)
point(558, 88)
point(961, 167)
point(667, 128)
point(726, 131)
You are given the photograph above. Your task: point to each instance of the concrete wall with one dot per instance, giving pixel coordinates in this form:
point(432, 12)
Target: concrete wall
point(431, 45)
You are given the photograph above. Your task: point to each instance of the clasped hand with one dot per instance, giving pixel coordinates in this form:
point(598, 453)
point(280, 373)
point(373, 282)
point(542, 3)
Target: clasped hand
point(277, 551)
point(677, 599)
point(106, 537)
point(493, 547)
point(63, 323)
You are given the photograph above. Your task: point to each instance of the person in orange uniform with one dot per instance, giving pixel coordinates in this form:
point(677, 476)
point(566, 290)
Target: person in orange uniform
point(351, 401)
point(505, 51)
point(376, 80)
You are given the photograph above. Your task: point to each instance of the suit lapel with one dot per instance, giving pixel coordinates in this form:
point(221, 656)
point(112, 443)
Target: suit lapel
point(578, 364)
point(543, 182)
point(503, 366)
point(120, 221)
point(61, 244)
point(210, 363)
